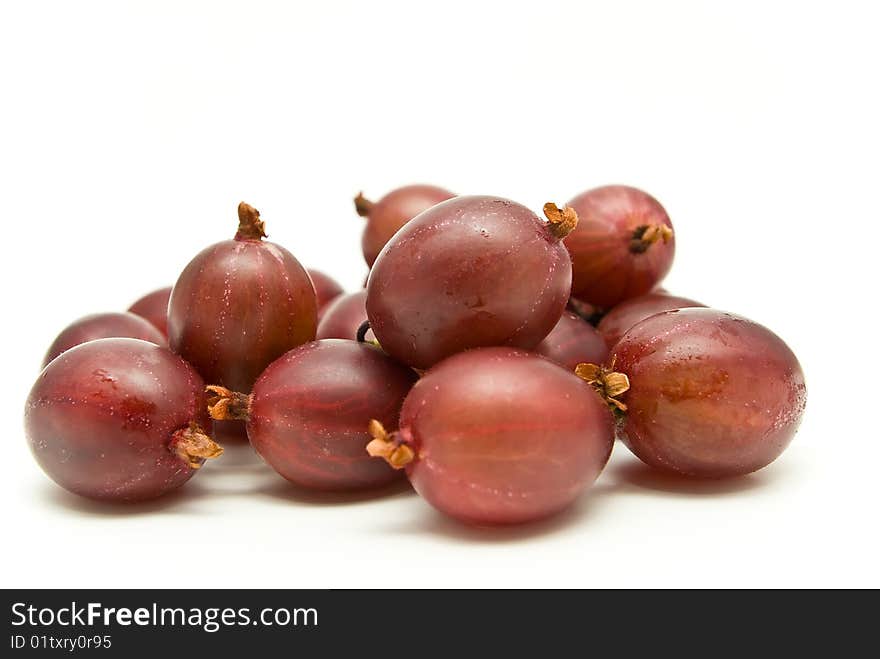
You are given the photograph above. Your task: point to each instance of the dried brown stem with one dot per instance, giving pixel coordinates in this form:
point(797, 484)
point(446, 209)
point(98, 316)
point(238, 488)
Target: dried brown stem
point(648, 234)
point(362, 330)
point(250, 226)
point(362, 205)
point(389, 446)
point(562, 221)
point(226, 405)
point(193, 446)
point(607, 383)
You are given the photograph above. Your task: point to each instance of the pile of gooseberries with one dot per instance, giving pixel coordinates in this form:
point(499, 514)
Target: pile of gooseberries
point(492, 358)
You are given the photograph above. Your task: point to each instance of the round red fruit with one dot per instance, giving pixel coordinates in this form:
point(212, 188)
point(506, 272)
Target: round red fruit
point(466, 273)
point(308, 413)
point(103, 326)
point(119, 420)
point(386, 216)
point(154, 307)
point(710, 394)
point(343, 317)
point(326, 289)
point(622, 247)
point(572, 342)
point(239, 305)
point(499, 436)
point(616, 322)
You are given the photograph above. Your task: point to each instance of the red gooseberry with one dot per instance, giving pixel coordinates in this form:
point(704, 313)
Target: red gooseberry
point(239, 305)
point(119, 419)
point(498, 436)
point(622, 246)
point(307, 416)
point(154, 307)
point(618, 320)
point(326, 289)
point(466, 273)
point(708, 394)
point(573, 341)
point(386, 216)
point(343, 317)
point(103, 326)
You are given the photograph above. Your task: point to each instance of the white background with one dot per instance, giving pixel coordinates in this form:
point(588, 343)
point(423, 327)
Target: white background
point(130, 131)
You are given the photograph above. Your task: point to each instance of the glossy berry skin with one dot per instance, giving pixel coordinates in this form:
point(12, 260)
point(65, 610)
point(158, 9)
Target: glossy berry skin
point(609, 265)
point(154, 307)
point(103, 326)
point(237, 307)
point(310, 410)
point(326, 289)
point(386, 216)
point(711, 394)
point(502, 436)
point(573, 341)
point(100, 419)
point(616, 322)
point(466, 273)
point(343, 317)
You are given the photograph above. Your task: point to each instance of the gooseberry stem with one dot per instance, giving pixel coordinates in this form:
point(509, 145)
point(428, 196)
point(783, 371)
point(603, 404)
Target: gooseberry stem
point(362, 331)
point(193, 446)
point(362, 205)
point(227, 405)
point(607, 383)
point(250, 226)
point(561, 221)
point(648, 234)
point(392, 447)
